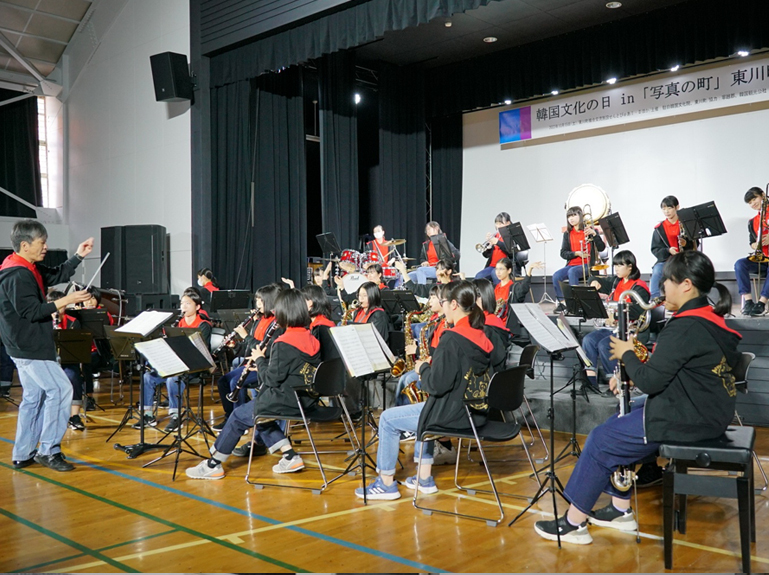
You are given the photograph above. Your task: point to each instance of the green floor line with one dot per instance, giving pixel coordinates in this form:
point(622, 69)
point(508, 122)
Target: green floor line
point(162, 521)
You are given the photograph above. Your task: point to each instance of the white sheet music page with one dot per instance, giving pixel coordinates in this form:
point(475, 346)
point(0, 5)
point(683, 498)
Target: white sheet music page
point(161, 357)
point(540, 232)
point(375, 347)
point(145, 323)
point(351, 349)
point(197, 339)
point(540, 328)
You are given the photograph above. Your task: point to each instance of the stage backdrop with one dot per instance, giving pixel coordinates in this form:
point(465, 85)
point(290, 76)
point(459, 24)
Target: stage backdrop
point(716, 157)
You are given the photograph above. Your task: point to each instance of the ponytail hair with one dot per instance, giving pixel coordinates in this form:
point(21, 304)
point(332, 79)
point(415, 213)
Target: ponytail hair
point(463, 292)
point(697, 268)
point(485, 291)
point(208, 274)
point(627, 258)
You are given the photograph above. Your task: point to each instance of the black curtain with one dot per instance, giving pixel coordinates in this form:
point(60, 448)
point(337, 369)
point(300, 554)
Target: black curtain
point(685, 33)
point(19, 163)
point(446, 147)
point(258, 136)
point(399, 200)
point(339, 147)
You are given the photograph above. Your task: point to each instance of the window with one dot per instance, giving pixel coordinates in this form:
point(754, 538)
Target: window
point(42, 136)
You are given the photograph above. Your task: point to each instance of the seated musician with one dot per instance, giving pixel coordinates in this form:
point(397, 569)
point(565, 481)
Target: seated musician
point(494, 327)
point(444, 273)
point(691, 397)
point(379, 246)
point(496, 250)
point(579, 242)
point(429, 256)
point(75, 371)
point(207, 281)
point(190, 305)
point(264, 299)
point(292, 354)
point(461, 360)
point(508, 290)
point(370, 310)
point(664, 240)
point(320, 320)
point(743, 267)
point(596, 343)
point(374, 275)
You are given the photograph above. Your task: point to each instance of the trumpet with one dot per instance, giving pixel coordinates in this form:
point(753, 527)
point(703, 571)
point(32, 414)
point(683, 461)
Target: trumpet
point(486, 245)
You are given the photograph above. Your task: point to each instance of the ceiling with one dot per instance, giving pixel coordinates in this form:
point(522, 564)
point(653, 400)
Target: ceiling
point(37, 31)
point(512, 22)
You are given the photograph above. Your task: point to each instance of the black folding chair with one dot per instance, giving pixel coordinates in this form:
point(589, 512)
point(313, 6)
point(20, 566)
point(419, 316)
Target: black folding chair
point(740, 373)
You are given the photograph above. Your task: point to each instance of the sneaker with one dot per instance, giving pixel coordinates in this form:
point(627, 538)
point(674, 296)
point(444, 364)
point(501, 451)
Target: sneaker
point(90, 403)
point(407, 436)
point(378, 490)
point(757, 309)
point(747, 307)
point(204, 471)
point(76, 423)
point(426, 486)
point(610, 516)
point(5, 391)
point(55, 462)
point(218, 427)
point(173, 424)
point(22, 463)
point(443, 456)
point(649, 474)
point(145, 421)
point(288, 465)
point(245, 449)
point(569, 534)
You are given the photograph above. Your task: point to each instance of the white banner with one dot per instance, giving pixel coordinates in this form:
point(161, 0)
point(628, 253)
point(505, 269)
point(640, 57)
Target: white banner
point(666, 95)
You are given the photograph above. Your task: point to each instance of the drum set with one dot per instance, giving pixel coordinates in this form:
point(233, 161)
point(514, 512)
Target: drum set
point(354, 263)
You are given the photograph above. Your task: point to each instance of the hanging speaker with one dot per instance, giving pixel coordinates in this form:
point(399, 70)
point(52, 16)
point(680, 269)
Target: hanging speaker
point(171, 77)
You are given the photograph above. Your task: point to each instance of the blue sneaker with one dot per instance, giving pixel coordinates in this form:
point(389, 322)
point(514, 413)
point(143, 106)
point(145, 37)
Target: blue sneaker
point(425, 485)
point(378, 490)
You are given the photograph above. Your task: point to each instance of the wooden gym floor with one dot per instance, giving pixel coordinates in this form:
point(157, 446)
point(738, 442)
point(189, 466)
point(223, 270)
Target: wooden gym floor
point(111, 515)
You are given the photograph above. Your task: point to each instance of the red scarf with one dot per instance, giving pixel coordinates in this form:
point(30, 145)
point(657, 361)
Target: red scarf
point(624, 285)
point(362, 316)
point(707, 313)
point(301, 339)
point(64, 321)
point(195, 322)
point(261, 328)
point(437, 332)
point(476, 336)
point(16, 261)
point(321, 320)
point(211, 287)
point(577, 244)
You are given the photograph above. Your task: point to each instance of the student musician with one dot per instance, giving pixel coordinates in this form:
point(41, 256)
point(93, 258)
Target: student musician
point(577, 246)
point(370, 310)
point(430, 256)
point(379, 246)
point(294, 357)
point(667, 240)
point(444, 273)
point(191, 318)
point(374, 274)
point(496, 249)
point(207, 281)
point(743, 267)
point(320, 320)
point(494, 328)
point(596, 343)
point(264, 300)
point(691, 397)
point(460, 360)
point(509, 291)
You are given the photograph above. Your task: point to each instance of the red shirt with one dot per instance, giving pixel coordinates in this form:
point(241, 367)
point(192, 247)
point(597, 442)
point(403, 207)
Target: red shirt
point(496, 253)
point(15, 260)
point(756, 218)
point(476, 336)
point(261, 328)
point(362, 316)
point(671, 232)
point(211, 287)
point(503, 291)
point(194, 322)
point(440, 327)
point(432, 255)
point(382, 251)
point(577, 242)
point(321, 320)
point(624, 285)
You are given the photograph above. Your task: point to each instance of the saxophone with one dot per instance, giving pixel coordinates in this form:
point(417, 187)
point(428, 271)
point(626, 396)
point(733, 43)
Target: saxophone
point(348, 311)
point(406, 363)
point(412, 391)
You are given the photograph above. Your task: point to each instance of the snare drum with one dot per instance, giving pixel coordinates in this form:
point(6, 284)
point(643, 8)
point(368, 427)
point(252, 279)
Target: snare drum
point(350, 261)
point(390, 273)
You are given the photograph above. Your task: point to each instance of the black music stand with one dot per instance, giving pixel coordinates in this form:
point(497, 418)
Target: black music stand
point(230, 299)
point(399, 302)
point(94, 321)
point(328, 243)
point(614, 230)
point(441, 244)
point(178, 357)
point(74, 347)
point(122, 346)
point(364, 363)
point(549, 338)
point(589, 302)
point(702, 221)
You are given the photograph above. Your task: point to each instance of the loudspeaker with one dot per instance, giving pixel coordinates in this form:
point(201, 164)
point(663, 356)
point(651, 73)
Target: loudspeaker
point(146, 259)
point(171, 77)
point(112, 272)
point(137, 303)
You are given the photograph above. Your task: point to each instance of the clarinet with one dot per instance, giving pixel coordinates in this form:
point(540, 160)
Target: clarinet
point(230, 336)
point(232, 397)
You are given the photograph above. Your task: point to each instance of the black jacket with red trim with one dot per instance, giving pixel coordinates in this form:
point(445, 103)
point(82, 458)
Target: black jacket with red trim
point(688, 377)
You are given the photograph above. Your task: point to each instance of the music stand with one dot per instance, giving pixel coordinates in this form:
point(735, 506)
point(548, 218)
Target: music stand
point(328, 243)
point(441, 244)
point(94, 321)
point(122, 346)
point(365, 355)
point(399, 302)
point(549, 338)
point(614, 230)
point(589, 302)
point(74, 347)
point(230, 299)
point(702, 221)
point(542, 236)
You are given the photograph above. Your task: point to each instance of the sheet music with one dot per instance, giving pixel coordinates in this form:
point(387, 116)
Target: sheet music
point(540, 327)
point(565, 328)
point(379, 353)
point(540, 232)
point(351, 349)
point(161, 357)
point(197, 339)
point(146, 322)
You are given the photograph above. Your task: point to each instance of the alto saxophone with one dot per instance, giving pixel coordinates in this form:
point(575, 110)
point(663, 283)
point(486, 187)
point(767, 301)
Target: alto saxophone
point(412, 391)
point(348, 311)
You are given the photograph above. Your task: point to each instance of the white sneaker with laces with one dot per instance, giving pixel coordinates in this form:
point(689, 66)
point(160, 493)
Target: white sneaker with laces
point(443, 456)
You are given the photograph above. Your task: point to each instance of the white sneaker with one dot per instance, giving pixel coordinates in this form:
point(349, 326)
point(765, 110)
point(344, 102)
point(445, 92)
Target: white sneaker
point(203, 471)
point(443, 456)
point(288, 465)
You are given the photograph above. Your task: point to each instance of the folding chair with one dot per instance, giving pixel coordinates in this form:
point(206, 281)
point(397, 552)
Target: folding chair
point(740, 372)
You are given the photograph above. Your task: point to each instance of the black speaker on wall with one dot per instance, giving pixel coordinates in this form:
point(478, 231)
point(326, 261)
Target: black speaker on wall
point(171, 77)
point(112, 272)
point(139, 259)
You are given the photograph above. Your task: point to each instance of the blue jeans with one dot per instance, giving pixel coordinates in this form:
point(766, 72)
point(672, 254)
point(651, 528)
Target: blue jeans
point(618, 441)
point(75, 376)
point(227, 383)
point(742, 270)
point(392, 422)
point(174, 386)
point(241, 420)
point(421, 275)
point(488, 274)
point(44, 409)
point(405, 379)
point(596, 346)
point(573, 273)
point(654, 282)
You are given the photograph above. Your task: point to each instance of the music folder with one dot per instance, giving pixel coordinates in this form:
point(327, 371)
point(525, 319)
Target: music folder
point(176, 355)
point(145, 323)
point(362, 349)
point(541, 329)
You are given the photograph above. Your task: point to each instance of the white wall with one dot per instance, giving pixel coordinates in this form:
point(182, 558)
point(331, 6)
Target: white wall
point(128, 159)
point(696, 161)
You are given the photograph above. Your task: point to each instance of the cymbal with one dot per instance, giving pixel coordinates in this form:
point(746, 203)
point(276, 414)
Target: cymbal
point(395, 242)
point(408, 259)
point(330, 259)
